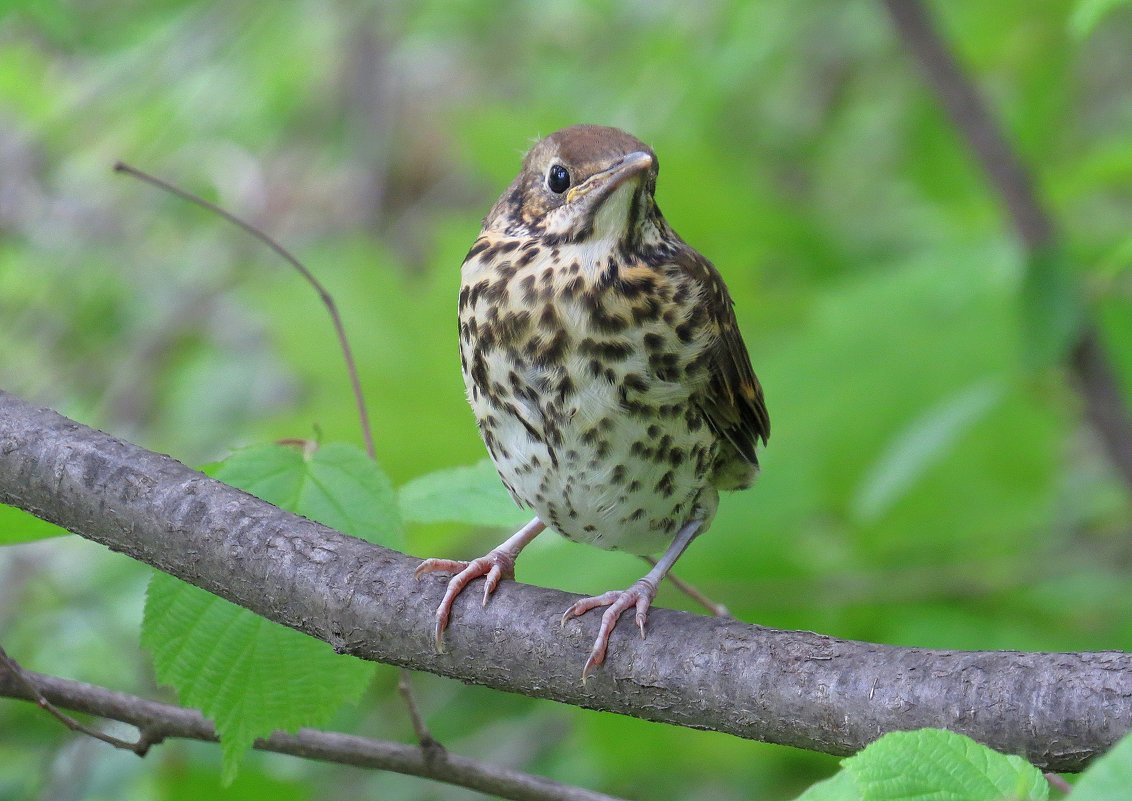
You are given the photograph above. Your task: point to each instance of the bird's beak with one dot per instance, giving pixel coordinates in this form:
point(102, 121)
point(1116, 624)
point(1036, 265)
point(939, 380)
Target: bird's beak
point(603, 184)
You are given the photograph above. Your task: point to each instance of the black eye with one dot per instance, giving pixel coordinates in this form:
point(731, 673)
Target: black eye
point(558, 179)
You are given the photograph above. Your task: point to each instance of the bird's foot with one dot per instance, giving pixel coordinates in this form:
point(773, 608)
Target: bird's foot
point(496, 566)
point(640, 595)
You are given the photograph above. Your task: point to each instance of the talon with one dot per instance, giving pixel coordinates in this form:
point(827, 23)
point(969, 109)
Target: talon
point(591, 663)
point(495, 566)
point(640, 595)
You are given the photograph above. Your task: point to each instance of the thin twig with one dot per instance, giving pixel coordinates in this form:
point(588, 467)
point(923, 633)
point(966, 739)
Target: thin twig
point(432, 749)
point(697, 595)
point(139, 747)
point(344, 749)
point(1105, 405)
point(424, 737)
point(286, 255)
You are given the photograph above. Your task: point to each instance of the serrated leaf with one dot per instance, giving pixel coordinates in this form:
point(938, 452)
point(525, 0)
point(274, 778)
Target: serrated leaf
point(838, 787)
point(250, 675)
point(1109, 777)
point(1052, 311)
point(942, 766)
point(925, 441)
point(336, 485)
point(472, 495)
point(17, 526)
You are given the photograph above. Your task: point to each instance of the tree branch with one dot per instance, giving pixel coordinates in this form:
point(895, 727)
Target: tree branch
point(159, 721)
point(1099, 386)
point(796, 688)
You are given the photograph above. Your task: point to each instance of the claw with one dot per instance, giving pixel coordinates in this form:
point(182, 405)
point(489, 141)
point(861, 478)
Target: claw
point(495, 566)
point(639, 595)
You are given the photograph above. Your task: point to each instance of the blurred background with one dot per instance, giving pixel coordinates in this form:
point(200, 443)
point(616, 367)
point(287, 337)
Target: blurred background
point(925, 484)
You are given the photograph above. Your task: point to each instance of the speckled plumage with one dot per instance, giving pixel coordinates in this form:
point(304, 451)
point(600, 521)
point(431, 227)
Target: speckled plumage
point(601, 355)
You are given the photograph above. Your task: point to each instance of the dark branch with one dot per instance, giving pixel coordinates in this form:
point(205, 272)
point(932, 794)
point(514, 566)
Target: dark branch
point(1105, 407)
point(166, 721)
point(15, 677)
point(796, 688)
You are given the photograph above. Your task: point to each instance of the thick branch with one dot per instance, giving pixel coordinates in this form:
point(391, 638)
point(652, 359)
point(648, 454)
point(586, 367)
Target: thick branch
point(1105, 406)
point(161, 721)
point(796, 688)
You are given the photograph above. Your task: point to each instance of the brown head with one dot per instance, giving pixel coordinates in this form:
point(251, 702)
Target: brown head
point(583, 182)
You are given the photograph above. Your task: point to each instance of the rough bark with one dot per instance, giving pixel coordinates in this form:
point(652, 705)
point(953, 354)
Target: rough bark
point(795, 688)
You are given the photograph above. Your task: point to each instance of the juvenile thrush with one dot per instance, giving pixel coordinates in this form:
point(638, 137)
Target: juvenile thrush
point(604, 366)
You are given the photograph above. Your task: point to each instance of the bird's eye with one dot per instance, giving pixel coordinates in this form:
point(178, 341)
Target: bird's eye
point(558, 179)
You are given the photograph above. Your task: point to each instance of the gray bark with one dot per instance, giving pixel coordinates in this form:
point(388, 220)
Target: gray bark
point(796, 688)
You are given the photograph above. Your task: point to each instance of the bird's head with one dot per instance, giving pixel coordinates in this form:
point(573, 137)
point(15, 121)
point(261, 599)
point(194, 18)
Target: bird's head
point(583, 183)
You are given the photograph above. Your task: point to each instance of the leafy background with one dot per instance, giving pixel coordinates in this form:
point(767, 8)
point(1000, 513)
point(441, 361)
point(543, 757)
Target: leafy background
point(925, 485)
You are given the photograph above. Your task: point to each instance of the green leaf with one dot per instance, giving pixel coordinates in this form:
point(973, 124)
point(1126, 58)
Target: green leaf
point(250, 675)
point(1052, 312)
point(926, 441)
point(942, 766)
point(1108, 777)
point(472, 495)
point(838, 787)
point(17, 526)
point(336, 484)
point(1088, 14)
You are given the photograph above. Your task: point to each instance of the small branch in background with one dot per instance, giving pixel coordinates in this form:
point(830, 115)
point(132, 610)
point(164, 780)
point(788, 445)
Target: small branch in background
point(1105, 407)
point(30, 688)
point(286, 255)
point(431, 749)
point(719, 610)
point(175, 721)
point(424, 737)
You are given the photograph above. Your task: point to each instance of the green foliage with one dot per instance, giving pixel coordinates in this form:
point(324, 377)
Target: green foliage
point(1089, 13)
point(472, 495)
point(17, 526)
point(923, 443)
point(931, 763)
point(1110, 777)
point(335, 484)
point(1052, 312)
point(249, 675)
point(945, 766)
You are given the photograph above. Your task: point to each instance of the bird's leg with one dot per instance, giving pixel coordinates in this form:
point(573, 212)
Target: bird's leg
point(640, 595)
point(498, 564)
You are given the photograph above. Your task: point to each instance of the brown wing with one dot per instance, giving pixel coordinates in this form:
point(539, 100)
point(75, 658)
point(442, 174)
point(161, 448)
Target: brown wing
point(733, 398)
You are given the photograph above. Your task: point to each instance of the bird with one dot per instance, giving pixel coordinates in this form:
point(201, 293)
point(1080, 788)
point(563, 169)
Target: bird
point(604, 367)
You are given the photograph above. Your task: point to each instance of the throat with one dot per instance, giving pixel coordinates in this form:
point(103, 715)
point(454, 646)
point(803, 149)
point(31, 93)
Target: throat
point(597, 259)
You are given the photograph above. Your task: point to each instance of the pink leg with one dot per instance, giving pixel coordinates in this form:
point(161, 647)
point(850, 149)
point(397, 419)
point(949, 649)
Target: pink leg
point(496, 565)
point(640, 595)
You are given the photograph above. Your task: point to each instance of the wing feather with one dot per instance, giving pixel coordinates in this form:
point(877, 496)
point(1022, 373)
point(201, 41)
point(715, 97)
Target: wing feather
point(732, 399)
